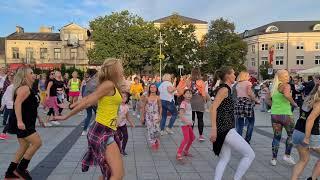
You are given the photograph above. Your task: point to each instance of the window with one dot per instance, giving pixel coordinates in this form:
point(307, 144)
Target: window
point(300, 60)
point(280, 46)
point(57, 53)
point(73, 54)
point(253, 62)
point(317, 45)
point(29, 55)
point(253, 48)
point(300, 45)
point(316, 27)
point(80, 37)
point(264, 60)
point(246, 33)
point(264, 47)
point(272, 29)
point(279, 60)
point(66, 37)
point(43, 53)
point(15, 53)
point(317, 60)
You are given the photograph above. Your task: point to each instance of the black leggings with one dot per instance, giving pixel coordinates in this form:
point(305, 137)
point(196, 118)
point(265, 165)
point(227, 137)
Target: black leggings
point(200, 120)
point(123, 136)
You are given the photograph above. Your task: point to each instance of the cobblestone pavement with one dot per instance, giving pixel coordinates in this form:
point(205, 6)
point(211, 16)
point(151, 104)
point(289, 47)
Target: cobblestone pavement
point(63, 147)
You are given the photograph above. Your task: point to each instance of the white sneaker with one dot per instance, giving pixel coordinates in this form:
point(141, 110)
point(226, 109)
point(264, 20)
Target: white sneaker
point(169, 130)
point(47, 124)
point(133, 113)
point(289, 159)
point(138, 116)
point(163, 133)
point(84, 133)
point(273, 162)
point(55, 123)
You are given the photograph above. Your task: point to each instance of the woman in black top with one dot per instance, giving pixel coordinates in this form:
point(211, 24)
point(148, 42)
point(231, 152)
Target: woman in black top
point(23, 122)
point(223, 134)
point(306, 134)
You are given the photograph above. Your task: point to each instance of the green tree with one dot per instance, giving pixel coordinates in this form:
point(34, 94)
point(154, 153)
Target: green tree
point(223, 46)
point(264, 71)
point(126, 36)
point(180, 45)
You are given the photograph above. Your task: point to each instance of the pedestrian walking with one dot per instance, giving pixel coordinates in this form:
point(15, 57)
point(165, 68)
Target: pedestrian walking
point(151, 115)
point(264, 93)
point(223, 135)
point(7, 108)
point(135, 90)
point(281, 115)
point(23, 124)
point(102, 136)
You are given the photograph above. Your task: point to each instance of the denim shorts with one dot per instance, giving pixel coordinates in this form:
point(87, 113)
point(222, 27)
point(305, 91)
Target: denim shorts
point(297, 137)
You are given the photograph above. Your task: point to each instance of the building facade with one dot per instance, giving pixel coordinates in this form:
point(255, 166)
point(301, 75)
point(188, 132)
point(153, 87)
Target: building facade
point(291, 45)
point(201, 27)
point(46, 49)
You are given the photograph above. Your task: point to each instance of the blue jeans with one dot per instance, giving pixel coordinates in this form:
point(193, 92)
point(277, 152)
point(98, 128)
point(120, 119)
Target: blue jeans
point(89, 116)
point(249, 122)
point(168, 106)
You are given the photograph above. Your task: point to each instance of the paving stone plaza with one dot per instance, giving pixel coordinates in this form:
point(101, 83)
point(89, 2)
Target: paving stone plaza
point(63, 147)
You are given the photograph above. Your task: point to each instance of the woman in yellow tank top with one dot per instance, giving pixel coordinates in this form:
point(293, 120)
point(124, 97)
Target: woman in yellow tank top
point(104, 150)
point(74, 86)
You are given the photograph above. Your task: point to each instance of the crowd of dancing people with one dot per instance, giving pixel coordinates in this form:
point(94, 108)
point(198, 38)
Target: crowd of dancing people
point(117, 101)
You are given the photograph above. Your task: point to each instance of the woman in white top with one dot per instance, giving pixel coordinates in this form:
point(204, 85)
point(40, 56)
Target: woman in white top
point(167, 90)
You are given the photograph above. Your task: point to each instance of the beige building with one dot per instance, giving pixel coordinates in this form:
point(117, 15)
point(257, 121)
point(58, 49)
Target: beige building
point(46, 49)
point(292, 45)
point(201, 27)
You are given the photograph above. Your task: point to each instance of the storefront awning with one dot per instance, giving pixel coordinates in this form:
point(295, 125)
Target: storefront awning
point(15, 66)
point(48, 66)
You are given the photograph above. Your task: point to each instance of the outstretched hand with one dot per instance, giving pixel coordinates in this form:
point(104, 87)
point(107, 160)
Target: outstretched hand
point(60, 118)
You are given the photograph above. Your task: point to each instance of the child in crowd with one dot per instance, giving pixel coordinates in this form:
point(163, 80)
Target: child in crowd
point(263, 94)
point(123, 119)
point(185, 114)
point(151, 112)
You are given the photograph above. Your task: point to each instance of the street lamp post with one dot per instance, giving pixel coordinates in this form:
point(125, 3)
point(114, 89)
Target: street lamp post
point(160, 54)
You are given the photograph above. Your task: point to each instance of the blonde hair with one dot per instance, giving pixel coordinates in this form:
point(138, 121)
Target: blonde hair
point(20, 78)
point(243, 76)
point(278, 79)
point(166, 77)
point(314, 95)
point(110, 72)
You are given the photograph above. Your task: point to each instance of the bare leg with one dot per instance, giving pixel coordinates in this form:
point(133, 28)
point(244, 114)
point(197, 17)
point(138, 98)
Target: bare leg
point(304, 156)
point(115, 162)
point(23, 146)
point(316, 170)
point(35, 141)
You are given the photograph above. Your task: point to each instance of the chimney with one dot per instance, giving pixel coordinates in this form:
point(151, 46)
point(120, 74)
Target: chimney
point(19, 29)
point(45, 29)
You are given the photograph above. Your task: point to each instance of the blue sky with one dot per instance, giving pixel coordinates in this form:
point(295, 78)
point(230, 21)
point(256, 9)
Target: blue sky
point(246, 14)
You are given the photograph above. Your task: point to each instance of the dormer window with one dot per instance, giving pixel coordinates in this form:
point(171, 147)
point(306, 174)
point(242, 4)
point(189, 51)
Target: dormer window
point(272, 29)
point(316, 27)
point(246, 33)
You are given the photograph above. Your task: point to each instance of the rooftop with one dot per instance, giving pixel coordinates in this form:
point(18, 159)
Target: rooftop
point(183, 18)
point(283, 27)
point(35, 36)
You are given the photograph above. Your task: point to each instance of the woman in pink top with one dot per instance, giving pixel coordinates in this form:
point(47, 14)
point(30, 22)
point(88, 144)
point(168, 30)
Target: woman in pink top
point(244, 107)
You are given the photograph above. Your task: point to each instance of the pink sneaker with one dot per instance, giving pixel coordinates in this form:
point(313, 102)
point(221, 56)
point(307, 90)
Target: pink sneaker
point(201, 138)
point(187, 154)
point(4, 136)
point(179, 157)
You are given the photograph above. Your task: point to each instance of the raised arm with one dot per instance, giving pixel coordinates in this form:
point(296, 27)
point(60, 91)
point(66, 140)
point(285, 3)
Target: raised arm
point(310, 121)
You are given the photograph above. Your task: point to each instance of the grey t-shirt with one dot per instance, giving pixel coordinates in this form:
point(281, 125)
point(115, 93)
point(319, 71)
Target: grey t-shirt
point(91, 86)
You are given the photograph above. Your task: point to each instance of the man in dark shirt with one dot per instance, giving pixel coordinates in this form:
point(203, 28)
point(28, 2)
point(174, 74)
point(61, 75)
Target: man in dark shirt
point(308, 86)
